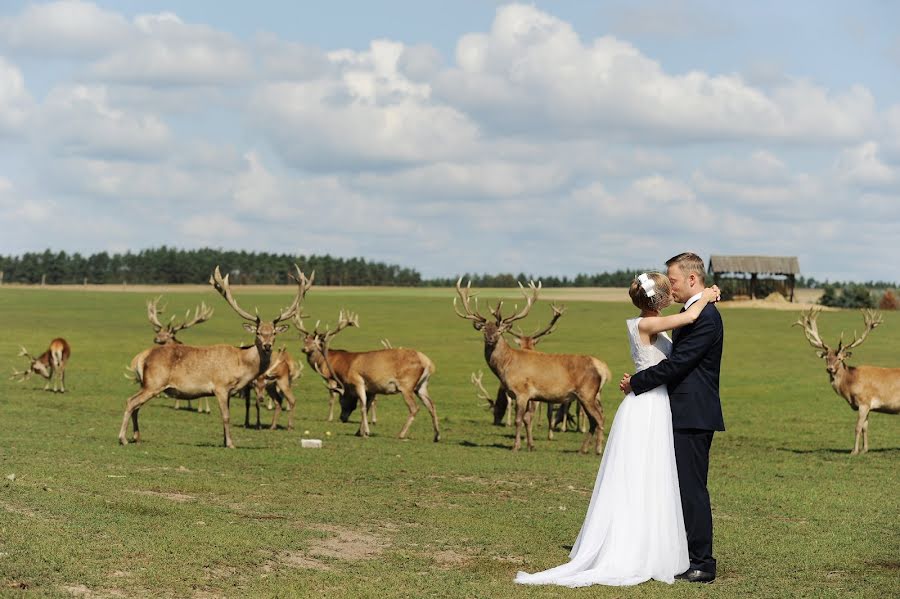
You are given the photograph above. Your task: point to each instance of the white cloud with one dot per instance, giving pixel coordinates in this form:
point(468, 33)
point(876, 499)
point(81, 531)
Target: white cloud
point(15, 101)
point(167, 51)
point(862, 166)
point(79, 120)
point(533, 73)
point(64, 29)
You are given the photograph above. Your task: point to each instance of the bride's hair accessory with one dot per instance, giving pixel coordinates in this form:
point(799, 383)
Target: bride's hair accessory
point(647, 284)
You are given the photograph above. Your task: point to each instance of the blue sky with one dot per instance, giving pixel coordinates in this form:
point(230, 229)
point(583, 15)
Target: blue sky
point(551, 137)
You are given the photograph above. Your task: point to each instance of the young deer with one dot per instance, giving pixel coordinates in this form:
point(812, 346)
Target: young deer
point(165, 334)
point(357, 377)
point(186, 371)
point(276, 381)
point(866, 388)
point(51, 365)
point(531, 375)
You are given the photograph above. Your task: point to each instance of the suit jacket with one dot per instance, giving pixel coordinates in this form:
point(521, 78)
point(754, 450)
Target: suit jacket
point(691, 373)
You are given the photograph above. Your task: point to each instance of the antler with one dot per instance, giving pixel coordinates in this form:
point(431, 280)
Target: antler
point(387, 344)
point(344, 320)
point(557, 312)
point(872, 319)
point(303, 285)
point(202, 313)
point(224, 289)
point(529, 302)
point(153, 311)
point(464, 296)
point(481, 392)
point(24, 352)
point(811, 328)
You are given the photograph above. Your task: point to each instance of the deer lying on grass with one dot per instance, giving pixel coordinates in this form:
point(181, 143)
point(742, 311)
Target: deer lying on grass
point(165, 335)
point(357, 377)
point(186, 371)
point(51, 365)
point(531, 375)
point(276, 381)
point(866, 388)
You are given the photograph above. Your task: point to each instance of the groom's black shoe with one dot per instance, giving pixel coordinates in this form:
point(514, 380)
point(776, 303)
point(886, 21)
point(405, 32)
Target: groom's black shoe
point(696, 576)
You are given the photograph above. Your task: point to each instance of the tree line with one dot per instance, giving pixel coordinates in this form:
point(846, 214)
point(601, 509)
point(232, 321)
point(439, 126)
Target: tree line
point(166, 265)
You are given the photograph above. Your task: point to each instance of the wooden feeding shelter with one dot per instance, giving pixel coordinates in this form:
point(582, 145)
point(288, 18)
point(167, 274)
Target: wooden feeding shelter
point(751, 267)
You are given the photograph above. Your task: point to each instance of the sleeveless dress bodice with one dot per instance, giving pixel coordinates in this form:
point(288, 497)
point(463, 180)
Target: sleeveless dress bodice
point(645, 356)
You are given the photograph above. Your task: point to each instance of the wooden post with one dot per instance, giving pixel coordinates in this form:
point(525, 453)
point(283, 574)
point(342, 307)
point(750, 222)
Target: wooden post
point(43, 280)
point(791, 282)
point(753, 286)
point(1, 277)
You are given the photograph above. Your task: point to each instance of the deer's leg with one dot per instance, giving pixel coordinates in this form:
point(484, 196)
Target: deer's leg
point(861, 423)
point(132, 406)
point(285, 389)
point(521, 407)
point(332, 396)
point(550, 424)
point(410, 399)
point(529, 422)
point(363, 402)
point(224, 398)
point(594, 411)
point(422, 392)
point(246, 394)
point(372, 406)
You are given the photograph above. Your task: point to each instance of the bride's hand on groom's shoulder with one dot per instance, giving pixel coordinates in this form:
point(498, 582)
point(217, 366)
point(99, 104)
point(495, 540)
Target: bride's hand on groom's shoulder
point(712, 294)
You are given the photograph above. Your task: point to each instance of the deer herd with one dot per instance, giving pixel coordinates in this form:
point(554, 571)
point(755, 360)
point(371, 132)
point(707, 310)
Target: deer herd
point(527, 377)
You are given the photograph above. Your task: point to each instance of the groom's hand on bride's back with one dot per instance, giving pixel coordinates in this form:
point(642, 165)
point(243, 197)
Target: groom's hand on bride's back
point(625, 383)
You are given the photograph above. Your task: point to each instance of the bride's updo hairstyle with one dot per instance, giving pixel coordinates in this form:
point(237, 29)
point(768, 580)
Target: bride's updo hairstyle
point(650, 291)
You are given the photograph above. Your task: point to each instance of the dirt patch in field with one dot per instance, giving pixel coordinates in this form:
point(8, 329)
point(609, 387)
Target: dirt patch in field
point(348, 544)
point(79, 590)
point(298, 559)
point(21, 511)
point(178, 497)
point(448, 559)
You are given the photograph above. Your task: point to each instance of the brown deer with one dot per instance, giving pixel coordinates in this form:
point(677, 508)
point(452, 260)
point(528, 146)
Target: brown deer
point(51, 365)
point(186, 371)
point(531, 375)
point(500, 405)
point(276, 381)
point(357, 377)
point(866, 388)
point(165, 334)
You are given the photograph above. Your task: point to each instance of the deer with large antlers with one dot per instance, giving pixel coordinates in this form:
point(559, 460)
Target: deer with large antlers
point(531, 375)
point(165, 334)
point(358, 377)
point(499, 404)
point(51, 365)
point(866, 388)
point(186, 371)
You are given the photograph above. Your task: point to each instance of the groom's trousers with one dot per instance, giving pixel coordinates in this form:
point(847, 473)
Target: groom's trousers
point(692, 459)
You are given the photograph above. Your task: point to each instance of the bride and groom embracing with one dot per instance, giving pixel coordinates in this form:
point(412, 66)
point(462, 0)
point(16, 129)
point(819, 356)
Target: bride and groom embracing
point(649, 515)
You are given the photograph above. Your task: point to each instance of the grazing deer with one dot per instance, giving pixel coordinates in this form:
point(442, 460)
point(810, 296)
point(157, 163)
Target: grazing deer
point(166, 335)
point(531, 375)
point(186, 371)
point(866, 388)
point(276, 381)
point(51, 365)
point(358, 376)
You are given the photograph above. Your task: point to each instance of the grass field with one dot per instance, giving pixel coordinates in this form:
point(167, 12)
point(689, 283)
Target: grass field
point(179, 516)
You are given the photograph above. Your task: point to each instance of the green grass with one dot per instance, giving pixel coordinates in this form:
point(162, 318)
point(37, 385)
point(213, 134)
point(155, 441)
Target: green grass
point(179, 516)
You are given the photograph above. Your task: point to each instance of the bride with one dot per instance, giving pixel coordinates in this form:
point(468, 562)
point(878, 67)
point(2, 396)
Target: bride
point(634, 527)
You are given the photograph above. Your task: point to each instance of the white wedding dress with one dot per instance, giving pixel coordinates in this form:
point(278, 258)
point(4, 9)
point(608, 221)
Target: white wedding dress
point(634, 527)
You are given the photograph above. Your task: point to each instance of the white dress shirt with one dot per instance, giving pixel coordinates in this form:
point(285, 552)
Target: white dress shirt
point(693, 299)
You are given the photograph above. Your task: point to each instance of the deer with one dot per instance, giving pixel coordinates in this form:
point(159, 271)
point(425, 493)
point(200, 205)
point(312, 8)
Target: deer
point(531, 375)
point(51, 365)
point(276, 381)
point(866, 388)
point(189, 372)
point(500, 405)
point(357, 377)
point(165, 334)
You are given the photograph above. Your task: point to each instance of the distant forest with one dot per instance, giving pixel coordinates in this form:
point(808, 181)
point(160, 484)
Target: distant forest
point(167, 265)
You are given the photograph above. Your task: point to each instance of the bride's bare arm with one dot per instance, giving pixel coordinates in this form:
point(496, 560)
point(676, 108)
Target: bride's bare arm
point(652, 325)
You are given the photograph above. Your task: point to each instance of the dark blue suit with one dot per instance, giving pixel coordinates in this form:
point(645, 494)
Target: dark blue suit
point(691, 374)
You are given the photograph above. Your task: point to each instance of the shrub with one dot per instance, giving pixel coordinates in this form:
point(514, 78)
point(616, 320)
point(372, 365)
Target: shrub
point(889, 301)
point(851, 296)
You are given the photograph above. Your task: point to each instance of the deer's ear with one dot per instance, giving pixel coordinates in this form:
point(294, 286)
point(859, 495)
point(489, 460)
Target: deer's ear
point(847, 354)
point(821, 354)
point(478, 325)
point(250, 328)
point(281, 328)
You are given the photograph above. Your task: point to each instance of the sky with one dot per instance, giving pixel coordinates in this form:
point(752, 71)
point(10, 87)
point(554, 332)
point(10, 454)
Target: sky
point(553, 137)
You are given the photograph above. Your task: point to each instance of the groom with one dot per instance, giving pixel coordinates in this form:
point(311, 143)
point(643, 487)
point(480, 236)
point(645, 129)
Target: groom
point(692, 376)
